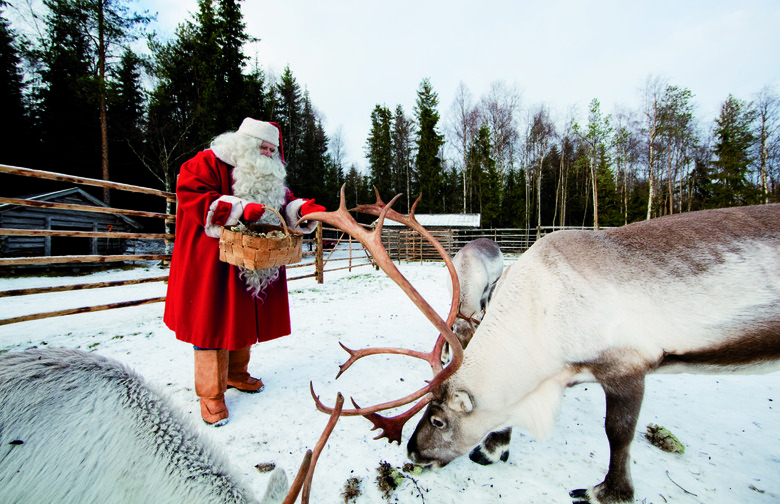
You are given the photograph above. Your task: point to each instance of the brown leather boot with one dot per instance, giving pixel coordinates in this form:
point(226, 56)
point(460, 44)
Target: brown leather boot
point(210, 384)
point(238, 377)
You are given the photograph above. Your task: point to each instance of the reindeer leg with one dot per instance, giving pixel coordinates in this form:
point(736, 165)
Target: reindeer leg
point(493, 448)
point(624, 400)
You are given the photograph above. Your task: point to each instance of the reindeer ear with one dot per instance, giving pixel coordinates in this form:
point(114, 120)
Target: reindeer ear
point(461, 401)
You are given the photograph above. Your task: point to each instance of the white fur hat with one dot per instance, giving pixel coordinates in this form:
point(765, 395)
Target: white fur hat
point(260, 129)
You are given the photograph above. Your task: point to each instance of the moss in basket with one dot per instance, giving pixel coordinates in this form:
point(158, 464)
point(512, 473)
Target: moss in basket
point(243, 229)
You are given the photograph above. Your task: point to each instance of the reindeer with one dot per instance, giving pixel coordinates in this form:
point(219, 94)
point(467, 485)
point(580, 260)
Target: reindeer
point(693, 292)
point(479, 265)
point(76, 427)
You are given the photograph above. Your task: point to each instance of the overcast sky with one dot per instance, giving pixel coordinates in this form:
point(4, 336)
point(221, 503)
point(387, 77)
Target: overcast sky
point(354, 54)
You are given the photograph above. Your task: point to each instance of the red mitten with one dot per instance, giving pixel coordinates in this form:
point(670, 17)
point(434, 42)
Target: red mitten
point(310, 207)
point(221, 213)
point(253, 212)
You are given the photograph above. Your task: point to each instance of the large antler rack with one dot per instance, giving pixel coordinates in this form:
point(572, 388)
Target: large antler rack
point(372, 241)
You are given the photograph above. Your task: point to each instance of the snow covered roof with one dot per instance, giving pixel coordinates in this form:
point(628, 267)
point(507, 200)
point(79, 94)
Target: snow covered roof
point(76, 193)
point(443, 220)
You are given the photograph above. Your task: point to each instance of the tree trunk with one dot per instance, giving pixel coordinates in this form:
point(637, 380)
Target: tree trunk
point(102, 91)
point(595, 194)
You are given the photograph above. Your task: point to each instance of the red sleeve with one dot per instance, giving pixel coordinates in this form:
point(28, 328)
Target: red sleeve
point(200, 183)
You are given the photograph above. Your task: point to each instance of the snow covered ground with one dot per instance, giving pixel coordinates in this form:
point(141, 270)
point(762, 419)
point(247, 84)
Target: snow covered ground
point(729, 424)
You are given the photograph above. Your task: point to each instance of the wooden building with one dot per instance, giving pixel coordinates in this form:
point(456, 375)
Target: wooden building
point(59, 219)
point(449, 229)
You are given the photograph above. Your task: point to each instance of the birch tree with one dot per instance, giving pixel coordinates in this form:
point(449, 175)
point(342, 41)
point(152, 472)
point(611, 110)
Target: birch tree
point(652, 94)
point(768, 127)
point(462, 126)
point(500, 110)
point(541, 134)
point(595, 136)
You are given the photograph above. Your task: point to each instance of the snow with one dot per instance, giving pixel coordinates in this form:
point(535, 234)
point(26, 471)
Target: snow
point(730, 425)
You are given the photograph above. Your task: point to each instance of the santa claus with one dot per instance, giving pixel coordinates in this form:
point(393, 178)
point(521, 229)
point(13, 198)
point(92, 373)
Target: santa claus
point(219, 308)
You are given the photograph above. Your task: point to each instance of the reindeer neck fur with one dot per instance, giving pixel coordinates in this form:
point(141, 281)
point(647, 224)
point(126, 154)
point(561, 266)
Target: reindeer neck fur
point(656, 295)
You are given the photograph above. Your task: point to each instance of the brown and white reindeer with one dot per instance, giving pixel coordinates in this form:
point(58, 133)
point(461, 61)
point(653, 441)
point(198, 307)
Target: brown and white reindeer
point(693, 292)
point(479, 265)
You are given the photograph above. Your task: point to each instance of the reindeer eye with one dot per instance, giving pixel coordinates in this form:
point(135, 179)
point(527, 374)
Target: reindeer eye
point(438, 422)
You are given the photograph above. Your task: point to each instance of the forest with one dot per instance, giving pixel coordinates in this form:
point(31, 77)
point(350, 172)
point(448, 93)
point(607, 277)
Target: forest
point(94, 93)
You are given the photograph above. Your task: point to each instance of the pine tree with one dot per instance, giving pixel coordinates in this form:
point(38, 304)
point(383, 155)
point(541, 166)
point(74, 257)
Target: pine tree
point(289, 114)
point(311, 165)
point(401, 164)
point(513, 202)
point(734, 139)
point(486, 181)
point(126, 108)
point(201, 91)
point(67, 105)
point(109, 24)
point(428, 163)
point(232, 86)
point(379, 151)
point(14, 128)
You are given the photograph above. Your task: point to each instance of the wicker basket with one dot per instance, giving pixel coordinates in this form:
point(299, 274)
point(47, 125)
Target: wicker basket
point(258, 252)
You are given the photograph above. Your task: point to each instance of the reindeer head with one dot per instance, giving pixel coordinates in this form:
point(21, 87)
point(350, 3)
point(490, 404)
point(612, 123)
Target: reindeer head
point(443, 433)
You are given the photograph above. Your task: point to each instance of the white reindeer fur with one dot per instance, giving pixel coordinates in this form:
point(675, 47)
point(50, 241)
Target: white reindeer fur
point(479, 265)
point(92, 431)
point(577, 297)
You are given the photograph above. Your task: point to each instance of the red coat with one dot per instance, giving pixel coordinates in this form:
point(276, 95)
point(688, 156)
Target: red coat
point(207, 303)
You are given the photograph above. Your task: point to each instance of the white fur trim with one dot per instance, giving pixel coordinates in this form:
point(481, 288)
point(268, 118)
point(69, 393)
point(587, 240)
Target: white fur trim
point(236, 211)
point(293, 214)
point(260, 129)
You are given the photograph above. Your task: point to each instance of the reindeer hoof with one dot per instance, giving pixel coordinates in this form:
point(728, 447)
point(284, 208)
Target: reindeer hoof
point(580, 496)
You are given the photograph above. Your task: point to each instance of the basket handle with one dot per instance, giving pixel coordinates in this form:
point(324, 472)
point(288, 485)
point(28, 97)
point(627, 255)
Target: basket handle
point(281, 219)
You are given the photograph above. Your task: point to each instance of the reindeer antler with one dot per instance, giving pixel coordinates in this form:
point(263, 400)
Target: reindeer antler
point(372, 241)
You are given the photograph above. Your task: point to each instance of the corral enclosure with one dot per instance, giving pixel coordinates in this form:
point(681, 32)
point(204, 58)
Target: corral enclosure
point(364, 308)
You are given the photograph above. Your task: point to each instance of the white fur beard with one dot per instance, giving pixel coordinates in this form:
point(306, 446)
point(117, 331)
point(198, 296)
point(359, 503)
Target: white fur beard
point(260, 179)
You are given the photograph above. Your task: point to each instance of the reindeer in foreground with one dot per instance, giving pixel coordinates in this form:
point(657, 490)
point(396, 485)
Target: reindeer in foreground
point(479, 265)
point(76, 427)
point(693, 292)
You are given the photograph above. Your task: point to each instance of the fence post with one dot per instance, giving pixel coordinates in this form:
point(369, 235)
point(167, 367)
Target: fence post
point(318, 251)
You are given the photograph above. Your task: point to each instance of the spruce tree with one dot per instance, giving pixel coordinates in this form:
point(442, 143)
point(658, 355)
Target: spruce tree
point(428, 164)
point(379, 152)
point(67, 105)
point(14, 128)
point(289, 115)
point(311, 161)
point(232, 86)
point(401, 163)
point(201, 91)
point(126, 108)
point(731, 185)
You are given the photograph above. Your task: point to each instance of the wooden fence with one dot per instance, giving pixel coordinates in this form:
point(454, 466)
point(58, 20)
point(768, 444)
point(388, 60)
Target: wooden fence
point(407, 245)
point(344, 253)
